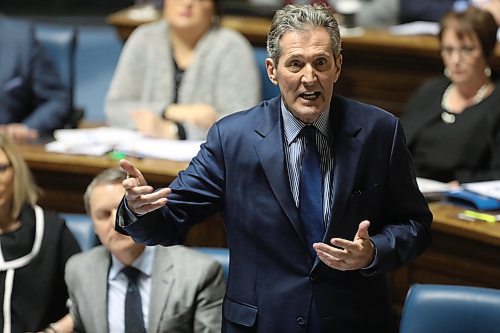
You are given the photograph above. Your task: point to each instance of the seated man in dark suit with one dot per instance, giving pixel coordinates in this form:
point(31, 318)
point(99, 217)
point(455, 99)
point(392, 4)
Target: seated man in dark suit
point(33, 100)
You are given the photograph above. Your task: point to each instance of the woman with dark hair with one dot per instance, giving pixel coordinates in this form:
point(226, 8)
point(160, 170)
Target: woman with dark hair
point(452, 123)
point(177, 76)
point(35, 246)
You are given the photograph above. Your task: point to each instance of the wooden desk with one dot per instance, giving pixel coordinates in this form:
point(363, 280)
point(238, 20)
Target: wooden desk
point(64, 178)
point(461, 253)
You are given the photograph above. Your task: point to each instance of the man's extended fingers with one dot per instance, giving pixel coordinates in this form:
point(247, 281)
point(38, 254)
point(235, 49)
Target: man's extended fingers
point(344, 244)
point(132, 171)
point(330, 250)
point(146, 203)
point(149, 206)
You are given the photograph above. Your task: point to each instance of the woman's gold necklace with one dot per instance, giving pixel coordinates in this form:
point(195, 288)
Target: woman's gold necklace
point(449, 117)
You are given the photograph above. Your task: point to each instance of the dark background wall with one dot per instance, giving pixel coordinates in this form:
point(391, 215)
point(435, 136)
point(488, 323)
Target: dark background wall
point(62, 7)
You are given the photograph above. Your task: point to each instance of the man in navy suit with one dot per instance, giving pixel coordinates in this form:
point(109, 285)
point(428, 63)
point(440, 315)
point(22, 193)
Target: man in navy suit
point(373, 216)
point(33, 100)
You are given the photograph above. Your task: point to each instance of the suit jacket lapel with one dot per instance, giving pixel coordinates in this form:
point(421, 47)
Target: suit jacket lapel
point(99, 291)
point(347, 152)
point(269, 147)
point(161, 284)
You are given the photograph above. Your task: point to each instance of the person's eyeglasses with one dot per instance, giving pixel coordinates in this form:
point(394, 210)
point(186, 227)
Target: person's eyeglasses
point(464, 51)
point(4, 167)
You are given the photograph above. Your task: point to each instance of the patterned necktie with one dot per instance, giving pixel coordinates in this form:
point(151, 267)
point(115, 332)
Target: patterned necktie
point(134, 319)
point(311, 194)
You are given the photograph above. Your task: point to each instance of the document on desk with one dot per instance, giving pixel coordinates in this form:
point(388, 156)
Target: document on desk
point(427, 186)
point(415, 28)
point(89, 141)
point(100, 140)
point(489, 189)
point(173, 150)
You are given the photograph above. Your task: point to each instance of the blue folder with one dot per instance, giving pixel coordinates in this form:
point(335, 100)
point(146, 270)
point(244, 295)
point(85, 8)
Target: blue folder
point(477, 201)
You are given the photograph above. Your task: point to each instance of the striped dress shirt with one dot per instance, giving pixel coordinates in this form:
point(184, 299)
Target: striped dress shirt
point(294, 150)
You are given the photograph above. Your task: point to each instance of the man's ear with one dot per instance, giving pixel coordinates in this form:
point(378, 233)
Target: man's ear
point(338, 65)
point(271, 71)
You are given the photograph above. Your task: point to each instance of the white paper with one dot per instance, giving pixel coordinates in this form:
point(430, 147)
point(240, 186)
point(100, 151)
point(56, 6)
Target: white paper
point(100, 140)
point(97, 135)
point(488, 189)
point(427, 186)
point(78, 149)
point(415, 28)
point(173, 150)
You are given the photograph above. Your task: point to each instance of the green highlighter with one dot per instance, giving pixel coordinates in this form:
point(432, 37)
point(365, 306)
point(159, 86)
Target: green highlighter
point(116, 155)
point(477, 216)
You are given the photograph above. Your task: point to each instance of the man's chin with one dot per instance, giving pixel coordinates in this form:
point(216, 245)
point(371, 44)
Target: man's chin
point(308, 114)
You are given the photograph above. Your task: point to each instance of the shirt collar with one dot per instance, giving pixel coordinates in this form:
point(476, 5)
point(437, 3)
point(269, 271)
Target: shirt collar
point(144, 263)
point(293, 126)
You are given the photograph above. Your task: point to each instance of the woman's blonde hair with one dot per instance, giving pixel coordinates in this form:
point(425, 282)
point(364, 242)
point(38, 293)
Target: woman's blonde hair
point(25, 190)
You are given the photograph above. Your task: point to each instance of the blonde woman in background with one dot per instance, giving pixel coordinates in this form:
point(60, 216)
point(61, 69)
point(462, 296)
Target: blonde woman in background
point(35, 245)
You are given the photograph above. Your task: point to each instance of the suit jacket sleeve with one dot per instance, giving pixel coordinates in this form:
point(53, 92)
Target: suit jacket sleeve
point(51, 106)
point(202, 183)
point(407, 226)
point(34, 94)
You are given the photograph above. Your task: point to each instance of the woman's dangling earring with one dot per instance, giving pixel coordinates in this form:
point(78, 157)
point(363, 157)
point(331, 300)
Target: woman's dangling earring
point(446, 72)
point(487, 71)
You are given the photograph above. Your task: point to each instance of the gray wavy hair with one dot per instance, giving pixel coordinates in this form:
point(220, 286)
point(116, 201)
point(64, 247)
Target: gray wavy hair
point(302, 18)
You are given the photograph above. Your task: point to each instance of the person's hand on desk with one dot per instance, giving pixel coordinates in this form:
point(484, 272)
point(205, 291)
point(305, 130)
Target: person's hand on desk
point(150, 124)
point(348, 255)
point(19, 132)
point(201, 115)
point(141, 198)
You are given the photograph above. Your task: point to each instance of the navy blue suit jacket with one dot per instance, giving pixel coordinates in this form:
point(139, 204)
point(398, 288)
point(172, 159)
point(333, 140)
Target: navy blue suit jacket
point(31, 91)
point(241, 172)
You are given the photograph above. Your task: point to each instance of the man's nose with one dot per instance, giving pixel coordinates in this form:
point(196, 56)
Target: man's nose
point(309, 75)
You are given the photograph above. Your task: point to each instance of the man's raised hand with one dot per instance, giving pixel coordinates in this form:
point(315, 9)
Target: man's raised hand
point(141, 198)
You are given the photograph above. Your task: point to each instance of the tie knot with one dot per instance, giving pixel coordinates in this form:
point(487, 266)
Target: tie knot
point(131, 273)
point(309, 132)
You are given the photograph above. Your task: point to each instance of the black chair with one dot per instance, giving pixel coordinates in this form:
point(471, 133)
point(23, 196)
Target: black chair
point(82, 229)
point(60, 41)
point(431, 308)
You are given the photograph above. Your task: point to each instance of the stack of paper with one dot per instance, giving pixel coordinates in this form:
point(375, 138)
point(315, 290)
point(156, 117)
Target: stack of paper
point(415, 28)
point(490, 189)
point(100, 140)
point(89, 141)
point(434, 190)
point(173, 150)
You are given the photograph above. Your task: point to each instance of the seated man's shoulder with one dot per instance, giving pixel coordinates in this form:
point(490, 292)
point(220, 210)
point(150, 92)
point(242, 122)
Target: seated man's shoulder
point(186, 258)
point(86, 259)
